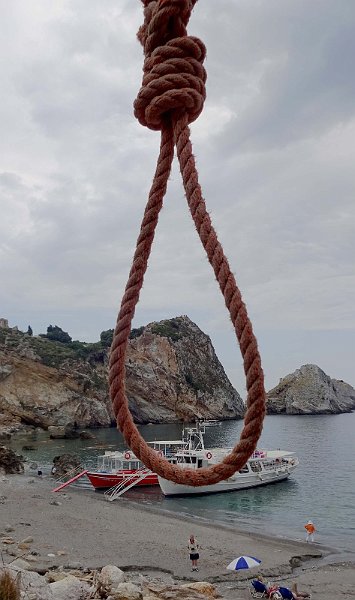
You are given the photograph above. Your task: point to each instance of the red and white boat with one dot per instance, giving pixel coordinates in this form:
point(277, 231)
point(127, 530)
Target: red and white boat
point(114, 467)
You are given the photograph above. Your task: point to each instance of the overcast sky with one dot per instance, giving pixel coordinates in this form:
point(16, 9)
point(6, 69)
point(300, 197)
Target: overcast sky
point(275, 148)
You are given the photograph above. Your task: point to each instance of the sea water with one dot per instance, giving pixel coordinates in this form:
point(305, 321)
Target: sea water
point(322, 488)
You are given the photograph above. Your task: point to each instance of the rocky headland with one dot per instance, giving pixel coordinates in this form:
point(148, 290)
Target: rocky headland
point(172, 374)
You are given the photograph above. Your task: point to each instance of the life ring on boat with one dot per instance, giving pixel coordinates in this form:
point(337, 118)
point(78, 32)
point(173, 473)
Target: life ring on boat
point(208, 455)
point(127, 455)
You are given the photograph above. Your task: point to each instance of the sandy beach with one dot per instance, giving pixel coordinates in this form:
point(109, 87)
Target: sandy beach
point(79, 527)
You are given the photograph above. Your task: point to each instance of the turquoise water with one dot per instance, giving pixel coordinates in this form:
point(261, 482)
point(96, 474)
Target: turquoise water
point(321, 489)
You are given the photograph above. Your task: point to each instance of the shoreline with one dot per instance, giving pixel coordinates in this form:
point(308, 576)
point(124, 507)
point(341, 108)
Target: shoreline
point(324, 549)
point(78, 527)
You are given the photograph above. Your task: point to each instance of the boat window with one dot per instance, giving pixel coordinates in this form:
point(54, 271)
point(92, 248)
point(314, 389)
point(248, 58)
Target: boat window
point(199, 463)
point(269, 465)
point(190, 459)
point(244, 469)
point(255, 467)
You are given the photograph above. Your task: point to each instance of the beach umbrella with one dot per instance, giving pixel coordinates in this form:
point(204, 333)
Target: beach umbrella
point(243, 562)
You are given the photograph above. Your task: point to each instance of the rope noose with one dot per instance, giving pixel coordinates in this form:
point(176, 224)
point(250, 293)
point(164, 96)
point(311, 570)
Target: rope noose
point(171, 97)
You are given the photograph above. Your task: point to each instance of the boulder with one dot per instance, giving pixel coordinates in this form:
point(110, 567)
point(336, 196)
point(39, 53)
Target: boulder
point(71, 432)
point(70, 587)
point(65, 463)
point(56, 432)
point(86, 435)
point(110, 577)
point(10, 462)
point(32, 584)
point(203, 587)
point(126, 591)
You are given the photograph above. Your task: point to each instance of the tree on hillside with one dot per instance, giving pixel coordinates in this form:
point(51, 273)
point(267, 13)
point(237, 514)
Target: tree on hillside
point(106, 338)
point(56, 334)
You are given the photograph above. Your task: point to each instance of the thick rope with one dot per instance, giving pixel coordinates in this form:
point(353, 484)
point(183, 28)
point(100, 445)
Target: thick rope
point(171, 97)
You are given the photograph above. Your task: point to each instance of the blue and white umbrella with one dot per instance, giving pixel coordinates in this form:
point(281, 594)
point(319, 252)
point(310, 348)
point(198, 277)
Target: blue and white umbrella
point(243, 562)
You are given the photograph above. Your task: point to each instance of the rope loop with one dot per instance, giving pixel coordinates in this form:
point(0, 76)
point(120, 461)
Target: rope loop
point(171, 97)
point(174, 80)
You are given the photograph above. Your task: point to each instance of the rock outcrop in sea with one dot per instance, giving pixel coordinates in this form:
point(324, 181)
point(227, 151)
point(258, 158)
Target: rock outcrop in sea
point(310, 391)
point(173, 374)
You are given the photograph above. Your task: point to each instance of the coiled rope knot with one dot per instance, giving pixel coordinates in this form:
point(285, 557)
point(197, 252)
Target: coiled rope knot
point(174, 78)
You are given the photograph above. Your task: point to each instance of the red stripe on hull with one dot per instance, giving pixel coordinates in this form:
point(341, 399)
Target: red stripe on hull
point(108, 480)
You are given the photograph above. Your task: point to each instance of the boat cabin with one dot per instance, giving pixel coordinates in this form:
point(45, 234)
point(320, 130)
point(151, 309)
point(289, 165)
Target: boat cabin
point(113, 461)
point(260, 461)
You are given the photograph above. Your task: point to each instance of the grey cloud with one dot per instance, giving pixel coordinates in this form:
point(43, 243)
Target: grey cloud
point(293, 69)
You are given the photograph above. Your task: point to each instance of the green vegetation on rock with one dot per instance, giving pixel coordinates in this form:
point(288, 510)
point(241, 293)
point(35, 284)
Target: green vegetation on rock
point(56, 334)
point(169, 328)
point(106, 338)
point(136, 332)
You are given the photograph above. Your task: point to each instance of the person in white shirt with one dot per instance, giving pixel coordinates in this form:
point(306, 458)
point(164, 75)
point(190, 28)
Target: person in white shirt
point(193, 548)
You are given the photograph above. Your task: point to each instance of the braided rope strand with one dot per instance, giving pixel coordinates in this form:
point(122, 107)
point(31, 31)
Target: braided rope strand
point(139, 267)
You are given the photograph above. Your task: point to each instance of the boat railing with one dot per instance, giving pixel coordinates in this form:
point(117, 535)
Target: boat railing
point(276, 464)
point(127, 483)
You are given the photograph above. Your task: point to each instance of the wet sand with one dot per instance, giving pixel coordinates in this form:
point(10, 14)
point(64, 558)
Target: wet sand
point(80, 526)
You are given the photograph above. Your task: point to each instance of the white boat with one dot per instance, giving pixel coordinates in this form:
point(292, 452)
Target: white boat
point(262, 468)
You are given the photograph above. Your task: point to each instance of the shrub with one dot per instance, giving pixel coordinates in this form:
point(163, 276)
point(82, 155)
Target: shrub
point(9, 587)
point(136, 333)
point(106, 338)
point(56, 334)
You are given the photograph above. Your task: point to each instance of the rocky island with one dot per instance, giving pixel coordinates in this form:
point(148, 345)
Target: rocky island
point(310, 391)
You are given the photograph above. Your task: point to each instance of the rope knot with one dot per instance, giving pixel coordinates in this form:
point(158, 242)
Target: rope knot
point(174, 78)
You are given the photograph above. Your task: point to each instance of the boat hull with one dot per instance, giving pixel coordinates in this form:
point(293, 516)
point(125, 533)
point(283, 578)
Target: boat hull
point(169, 488)
point(107, 480)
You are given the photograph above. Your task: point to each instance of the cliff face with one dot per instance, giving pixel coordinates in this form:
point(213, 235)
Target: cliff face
point(172, 374)
point(34, 394)
point(310, 391)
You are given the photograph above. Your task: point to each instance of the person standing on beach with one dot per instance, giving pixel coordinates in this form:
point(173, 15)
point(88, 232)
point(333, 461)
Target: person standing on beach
point(310, 529)
point(193, 548)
